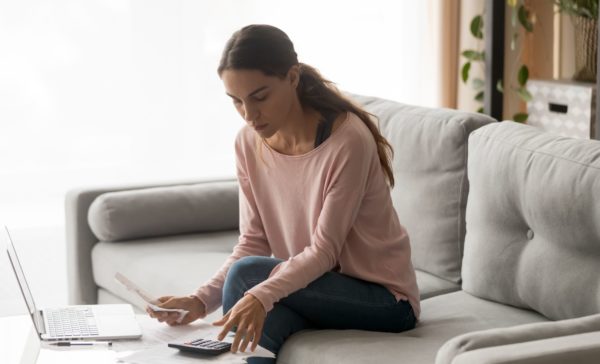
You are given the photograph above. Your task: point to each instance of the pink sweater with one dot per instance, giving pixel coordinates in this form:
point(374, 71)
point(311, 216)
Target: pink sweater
point(328, 209)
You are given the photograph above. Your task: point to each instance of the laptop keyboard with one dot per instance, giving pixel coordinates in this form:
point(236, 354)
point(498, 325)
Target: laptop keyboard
point(71, 322)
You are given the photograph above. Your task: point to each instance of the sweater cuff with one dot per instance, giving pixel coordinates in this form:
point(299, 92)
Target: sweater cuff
point(263, 298)
point(210, 297)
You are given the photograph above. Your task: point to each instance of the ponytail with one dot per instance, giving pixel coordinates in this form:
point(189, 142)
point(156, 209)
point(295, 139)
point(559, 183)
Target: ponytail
point(320, 94)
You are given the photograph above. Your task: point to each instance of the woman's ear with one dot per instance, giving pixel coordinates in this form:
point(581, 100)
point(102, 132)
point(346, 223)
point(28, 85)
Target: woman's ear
point(293, 75)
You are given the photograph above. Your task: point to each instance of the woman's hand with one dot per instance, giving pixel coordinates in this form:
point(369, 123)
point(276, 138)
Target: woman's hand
point(248, 315)
point(190, 303)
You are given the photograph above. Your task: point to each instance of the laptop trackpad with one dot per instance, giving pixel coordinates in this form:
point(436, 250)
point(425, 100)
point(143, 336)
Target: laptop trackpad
point(116, 320)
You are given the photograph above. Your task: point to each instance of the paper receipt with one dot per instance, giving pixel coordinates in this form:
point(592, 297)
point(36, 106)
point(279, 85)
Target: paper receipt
point(152, 302)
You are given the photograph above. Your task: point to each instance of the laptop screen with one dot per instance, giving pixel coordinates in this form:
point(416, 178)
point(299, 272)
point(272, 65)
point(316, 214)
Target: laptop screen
point(16, 266)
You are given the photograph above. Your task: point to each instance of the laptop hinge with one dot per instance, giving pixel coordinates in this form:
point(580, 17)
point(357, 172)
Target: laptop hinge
point(39, 317)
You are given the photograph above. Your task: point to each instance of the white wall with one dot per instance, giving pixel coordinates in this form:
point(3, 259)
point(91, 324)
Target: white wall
point(97, 92)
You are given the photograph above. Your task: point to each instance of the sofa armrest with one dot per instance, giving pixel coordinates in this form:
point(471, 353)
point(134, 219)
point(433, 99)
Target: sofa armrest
point(80, 238)
point(580, 348)
point(515, 335)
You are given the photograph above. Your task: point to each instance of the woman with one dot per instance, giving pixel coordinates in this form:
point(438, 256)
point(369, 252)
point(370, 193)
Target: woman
point(313, 171)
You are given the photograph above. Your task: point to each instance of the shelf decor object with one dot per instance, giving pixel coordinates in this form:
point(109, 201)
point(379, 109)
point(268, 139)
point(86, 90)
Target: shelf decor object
point(586, 42)
point(584, 14)
point(565, 108)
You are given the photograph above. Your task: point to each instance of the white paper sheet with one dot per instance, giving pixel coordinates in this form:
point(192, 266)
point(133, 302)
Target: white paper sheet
point(166, 355)
point(87, 356)
point(154, 332)
point(153, 349)
point(151, 301)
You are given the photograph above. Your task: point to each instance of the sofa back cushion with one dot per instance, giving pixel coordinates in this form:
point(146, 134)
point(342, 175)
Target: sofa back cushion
point(533, 220)
point(430, 195)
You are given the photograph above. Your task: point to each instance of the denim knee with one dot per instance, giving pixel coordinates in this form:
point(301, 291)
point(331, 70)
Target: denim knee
point(244, 274)
point(247, 269)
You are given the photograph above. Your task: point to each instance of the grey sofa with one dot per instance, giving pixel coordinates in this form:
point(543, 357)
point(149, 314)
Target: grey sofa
point(504, 228)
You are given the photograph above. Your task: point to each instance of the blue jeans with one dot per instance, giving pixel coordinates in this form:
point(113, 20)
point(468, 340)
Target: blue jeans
point(333, 301)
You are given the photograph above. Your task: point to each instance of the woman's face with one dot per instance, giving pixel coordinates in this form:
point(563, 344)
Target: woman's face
point(265, 102)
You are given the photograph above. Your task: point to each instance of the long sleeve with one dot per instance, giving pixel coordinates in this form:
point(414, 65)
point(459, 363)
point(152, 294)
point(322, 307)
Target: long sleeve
point(343, 197)
point(328, 208)
point(252, 241)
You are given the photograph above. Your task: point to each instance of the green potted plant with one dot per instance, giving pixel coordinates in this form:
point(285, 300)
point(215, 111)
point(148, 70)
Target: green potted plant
point(521, 22)
point(584, 14)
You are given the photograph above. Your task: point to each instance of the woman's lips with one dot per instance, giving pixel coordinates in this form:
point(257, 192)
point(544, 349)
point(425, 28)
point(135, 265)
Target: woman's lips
point(260, 127)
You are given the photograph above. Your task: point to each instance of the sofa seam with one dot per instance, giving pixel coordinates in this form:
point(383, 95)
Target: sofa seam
point(504, 141)
point(460, 195)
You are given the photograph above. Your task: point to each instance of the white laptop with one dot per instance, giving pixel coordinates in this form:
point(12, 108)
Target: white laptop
point(87, 322)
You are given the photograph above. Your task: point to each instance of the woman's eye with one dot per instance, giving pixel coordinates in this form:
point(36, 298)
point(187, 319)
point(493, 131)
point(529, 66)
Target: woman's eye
point(261, 98)
point(236, 101)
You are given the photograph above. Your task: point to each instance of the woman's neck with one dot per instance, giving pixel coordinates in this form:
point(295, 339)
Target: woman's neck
point(298, 134)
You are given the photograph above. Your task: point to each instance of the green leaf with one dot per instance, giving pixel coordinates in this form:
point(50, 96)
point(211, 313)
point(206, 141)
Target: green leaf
point(478, 83)
point(524, 94)
point(524, 19)
point(520, 117)
point(479, 96)
point(586, 13)
point(513, 41)
point(499, 86)
point(465, 71)
point(480, 110)
point(477, 27)
point(472, 55)
point(584, 8)
point(523, 75)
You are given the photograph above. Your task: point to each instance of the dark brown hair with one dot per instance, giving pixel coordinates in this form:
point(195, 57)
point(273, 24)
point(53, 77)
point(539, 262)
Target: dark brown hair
point(268, 49)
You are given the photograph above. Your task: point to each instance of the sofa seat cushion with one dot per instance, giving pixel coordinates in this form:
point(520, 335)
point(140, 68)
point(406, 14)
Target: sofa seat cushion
point(431, 286)
point(175, 265)
point(442, 318)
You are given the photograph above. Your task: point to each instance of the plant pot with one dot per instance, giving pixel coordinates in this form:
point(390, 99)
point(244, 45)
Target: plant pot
point(586, 48)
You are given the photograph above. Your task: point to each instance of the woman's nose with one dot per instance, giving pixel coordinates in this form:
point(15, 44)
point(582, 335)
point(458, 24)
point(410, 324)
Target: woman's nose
point(250, 113)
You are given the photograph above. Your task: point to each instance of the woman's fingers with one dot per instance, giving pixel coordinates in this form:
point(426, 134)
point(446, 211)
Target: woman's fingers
point(240, 333)
point(163, 316)
point(225, 322)
point(172, 318)
point(173, 323)
point(222, 320)
point(164, 299)
point(257, 336)
point(233, 320)
point(226, 328)
point(248, 315)
point(247, 336)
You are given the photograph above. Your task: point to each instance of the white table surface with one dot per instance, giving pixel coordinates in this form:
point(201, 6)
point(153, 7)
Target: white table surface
point(17, 339)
